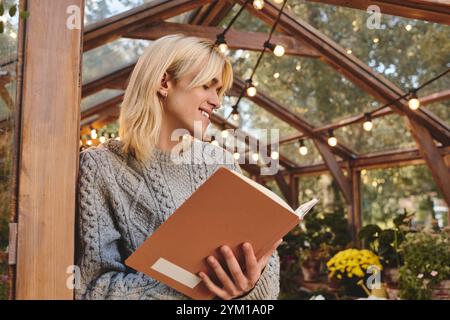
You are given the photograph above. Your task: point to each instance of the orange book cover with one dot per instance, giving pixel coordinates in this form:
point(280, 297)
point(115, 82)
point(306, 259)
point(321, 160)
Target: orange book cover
point(227, 209)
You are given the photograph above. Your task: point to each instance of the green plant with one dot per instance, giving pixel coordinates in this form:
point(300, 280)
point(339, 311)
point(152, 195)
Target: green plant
point(385, 243)
point(427, 263)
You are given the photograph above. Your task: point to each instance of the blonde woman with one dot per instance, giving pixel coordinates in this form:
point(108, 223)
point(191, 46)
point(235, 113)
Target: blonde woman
point(128, 188)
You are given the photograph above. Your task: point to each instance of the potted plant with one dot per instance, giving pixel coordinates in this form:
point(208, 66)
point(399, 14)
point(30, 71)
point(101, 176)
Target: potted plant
point(426, 270)
point(386, 244)
point(348, 267)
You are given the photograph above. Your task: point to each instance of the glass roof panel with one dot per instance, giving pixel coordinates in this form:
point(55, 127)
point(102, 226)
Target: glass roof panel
point(407, 52)
point(97, 10)
point(98, 97)
point(111, 57)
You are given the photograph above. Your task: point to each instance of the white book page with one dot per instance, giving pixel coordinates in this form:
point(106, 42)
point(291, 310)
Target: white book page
point(301, 211)
point(306, 207)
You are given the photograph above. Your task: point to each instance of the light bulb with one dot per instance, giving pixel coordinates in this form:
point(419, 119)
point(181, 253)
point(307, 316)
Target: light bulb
point(258, 4)
point(94, 134)
point(278, 50)
point(236, 155)
point(278, 1)
point(251, 91)
point(303, 150)
point(235, 117)
point(349, 51)
point(332, 141)
point(89, 142)
point(368, 125)
point(408, 27)
point(255, 156)
point(102, 139)
point(298, 67)
point(223, 47)
point(413, 102)
point(224, 133)
point(274, 155)
point(276, 75)
point(376, 40)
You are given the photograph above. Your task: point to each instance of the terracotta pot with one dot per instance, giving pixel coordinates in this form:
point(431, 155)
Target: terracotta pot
point(442, 291)
point(310, 270)
point(391, 276)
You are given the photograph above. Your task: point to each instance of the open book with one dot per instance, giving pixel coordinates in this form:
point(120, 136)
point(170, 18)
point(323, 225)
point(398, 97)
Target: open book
point(227, 209)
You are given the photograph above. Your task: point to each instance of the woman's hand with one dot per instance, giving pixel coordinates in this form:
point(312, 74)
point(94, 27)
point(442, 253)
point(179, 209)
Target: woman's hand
point(240, 282)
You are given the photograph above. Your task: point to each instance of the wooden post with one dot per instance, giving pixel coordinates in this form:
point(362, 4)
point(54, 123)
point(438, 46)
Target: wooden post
point(355, 214)
point(294, 182)
point(49, 144)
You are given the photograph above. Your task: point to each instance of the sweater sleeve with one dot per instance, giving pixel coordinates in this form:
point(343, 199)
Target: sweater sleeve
point(268, 285)
point(103, 274)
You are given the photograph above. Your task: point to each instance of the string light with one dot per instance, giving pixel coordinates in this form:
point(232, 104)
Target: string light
point(303, 149)
point(236, 154)
point(224, 133)
point(332, 141)
point(413, 101)
point(349, 51)
point(255, 156)
point(102, 139)
point(274, 155)
point(368, 124)
point(89, 142)
point(251, 89)
point(93, 133)
point(277, 49)
point(276, 75)
point(278, 1)
point(223, 47)
point(298, 67)
point(220, 38)
point(235, 113)
point(258, 4)
point(408, 27)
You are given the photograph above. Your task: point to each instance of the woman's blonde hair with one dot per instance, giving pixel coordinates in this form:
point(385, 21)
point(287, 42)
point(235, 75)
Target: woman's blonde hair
point(141, 110)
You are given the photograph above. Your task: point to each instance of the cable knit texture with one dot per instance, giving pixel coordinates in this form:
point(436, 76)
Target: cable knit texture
point(121, 202)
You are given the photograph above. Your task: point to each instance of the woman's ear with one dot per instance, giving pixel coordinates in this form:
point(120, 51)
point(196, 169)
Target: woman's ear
point(165, 84)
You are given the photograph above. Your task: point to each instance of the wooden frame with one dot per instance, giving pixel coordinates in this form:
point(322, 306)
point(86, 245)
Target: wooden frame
point(47, 176)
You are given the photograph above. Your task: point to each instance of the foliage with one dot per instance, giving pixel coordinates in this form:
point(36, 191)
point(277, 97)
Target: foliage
point(427, 263)
point(385, 243)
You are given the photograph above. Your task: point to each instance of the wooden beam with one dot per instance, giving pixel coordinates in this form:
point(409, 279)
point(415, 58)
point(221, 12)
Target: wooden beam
point(379, 160)
point(113, 28)
point(47, 173)
point(246, 40)
point(429, 10)
point(351, 67)
point(335, 170)
point(294, 184)
point(212, 14)
point(284, 187)
point(432, 98)
point(432, 157)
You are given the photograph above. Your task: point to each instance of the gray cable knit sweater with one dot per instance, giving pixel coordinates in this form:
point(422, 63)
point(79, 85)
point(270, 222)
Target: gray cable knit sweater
point(121, 202)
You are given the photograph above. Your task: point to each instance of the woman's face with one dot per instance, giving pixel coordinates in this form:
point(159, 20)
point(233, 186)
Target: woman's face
point(186, 108)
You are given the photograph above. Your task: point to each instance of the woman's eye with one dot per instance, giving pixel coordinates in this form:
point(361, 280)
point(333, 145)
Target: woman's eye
point(205, 87)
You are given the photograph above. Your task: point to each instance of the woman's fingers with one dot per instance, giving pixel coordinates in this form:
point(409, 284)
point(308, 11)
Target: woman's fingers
point(265, 258)
point(222, 275)
point(240, 280)
point(213, 288)
point(252, 268)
